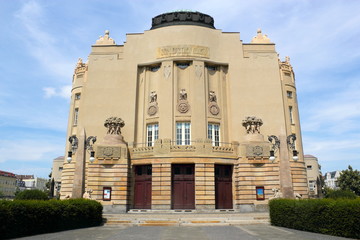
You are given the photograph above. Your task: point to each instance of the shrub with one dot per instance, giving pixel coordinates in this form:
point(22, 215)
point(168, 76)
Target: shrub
point(328, 216)
point(336, 194)
point(34, 194)
point(29, 217)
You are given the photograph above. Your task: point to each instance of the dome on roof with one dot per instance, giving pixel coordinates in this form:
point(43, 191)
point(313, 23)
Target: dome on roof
point(182, 18)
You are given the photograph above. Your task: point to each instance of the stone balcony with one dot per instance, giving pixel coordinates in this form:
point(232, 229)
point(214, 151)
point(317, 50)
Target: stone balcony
point(198, 148)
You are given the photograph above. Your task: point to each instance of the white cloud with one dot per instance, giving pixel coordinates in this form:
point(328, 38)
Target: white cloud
point(28, 150)
point(41, 45)
point(64, 92)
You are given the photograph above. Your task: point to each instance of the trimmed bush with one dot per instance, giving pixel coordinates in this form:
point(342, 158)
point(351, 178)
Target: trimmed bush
point(28, 217)
point(34, 194)
point(328, 216)
point(336, 194)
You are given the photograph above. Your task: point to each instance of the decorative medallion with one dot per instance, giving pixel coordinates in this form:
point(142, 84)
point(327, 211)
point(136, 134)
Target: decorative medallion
point(214, 108)
point(108, 151)
point(183, 107)
point(152, 110)
point(258, 150)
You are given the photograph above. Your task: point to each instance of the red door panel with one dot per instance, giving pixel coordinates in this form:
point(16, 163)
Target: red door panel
point(142, 188)
point(223, 187)
point(183, 187)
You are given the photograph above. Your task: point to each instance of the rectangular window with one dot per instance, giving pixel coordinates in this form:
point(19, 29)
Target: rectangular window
point(214, 133)
point(291, 114)
point(309, 167)
point(77, 96)
point(289, 94)
point(152, 134)
point(183, 133)
point(76, 116)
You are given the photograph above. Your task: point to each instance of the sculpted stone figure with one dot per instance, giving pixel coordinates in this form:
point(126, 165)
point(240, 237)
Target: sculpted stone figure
point(87, 194)
point(114, 125)
point(252, 125)
point(153, 97)
point(277, 193)
point(183, 94)
point(212, 96)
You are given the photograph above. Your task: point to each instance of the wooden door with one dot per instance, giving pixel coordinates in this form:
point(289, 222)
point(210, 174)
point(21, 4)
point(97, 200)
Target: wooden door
point(183, 187)
point(142, 188)
point(223, 187)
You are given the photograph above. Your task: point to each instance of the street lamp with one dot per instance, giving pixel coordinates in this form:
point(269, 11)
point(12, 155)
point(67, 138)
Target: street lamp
point(74, 145)
point(290, 140)
point(275, 144)
point(88, 146)
point(291, 143)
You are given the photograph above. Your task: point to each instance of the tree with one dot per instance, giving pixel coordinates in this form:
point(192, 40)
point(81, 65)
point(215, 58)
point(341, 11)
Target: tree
point(350, 180)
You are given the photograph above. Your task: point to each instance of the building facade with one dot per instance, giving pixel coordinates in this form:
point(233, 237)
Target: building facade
point(56, 171)
point(330, 179)
point(7, 184)
point(314, 175)
point(188, 110)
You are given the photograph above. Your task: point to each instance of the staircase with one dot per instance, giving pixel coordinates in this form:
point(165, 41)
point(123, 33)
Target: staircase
point(185, 219)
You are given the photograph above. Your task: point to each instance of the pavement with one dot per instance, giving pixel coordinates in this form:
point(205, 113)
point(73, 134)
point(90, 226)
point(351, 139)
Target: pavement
point(231, 232)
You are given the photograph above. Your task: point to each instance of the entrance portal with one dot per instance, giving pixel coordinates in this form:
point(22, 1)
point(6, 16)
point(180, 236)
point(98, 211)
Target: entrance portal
point(183, 187)
point(142, 189)
point(223, 187)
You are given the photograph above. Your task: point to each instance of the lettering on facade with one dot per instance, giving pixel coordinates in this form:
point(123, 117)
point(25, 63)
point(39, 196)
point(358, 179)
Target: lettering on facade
point(183, 51)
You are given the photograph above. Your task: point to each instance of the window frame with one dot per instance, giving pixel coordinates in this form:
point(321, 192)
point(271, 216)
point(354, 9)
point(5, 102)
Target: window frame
point(152, 134)
point(214, 133)
point(183, 133)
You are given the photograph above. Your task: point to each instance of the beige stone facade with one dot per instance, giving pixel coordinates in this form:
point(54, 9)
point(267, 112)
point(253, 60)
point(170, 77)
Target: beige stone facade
point(314, 175)
point(193, 99)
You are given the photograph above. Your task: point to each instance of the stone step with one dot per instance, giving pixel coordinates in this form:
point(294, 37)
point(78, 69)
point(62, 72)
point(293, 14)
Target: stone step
point(185, 219)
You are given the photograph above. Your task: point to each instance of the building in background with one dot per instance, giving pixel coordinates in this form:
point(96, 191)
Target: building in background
point(314, 175)
point(57, 168)
point(188, 110)
point(31, 182)
point(330, 179)
point(7, 184)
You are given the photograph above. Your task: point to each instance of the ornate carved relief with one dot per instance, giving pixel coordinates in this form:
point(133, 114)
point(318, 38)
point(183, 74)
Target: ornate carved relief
point(213, 107)
point(167, 71)
point(153, 105)
point(114, 125)
point(252, 125)
point(198, 71)
point(183, 105)
point(105, 40)
point(108, 152)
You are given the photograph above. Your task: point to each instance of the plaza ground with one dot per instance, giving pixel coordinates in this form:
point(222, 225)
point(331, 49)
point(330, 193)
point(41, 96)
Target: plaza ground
point(233, 232)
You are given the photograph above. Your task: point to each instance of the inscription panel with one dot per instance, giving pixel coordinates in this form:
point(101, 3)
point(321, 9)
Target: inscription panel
point(183, 51)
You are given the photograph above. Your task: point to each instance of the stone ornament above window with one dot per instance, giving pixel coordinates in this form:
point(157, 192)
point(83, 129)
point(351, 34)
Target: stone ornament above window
point(252, 125)
point(153, 105)
point(114, 125)
point(183, 105)
point(213, 106)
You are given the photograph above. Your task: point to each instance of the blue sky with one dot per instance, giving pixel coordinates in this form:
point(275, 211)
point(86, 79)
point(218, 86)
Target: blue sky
point(40, 42)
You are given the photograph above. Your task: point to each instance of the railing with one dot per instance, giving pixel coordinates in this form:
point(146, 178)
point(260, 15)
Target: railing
point(197, 147)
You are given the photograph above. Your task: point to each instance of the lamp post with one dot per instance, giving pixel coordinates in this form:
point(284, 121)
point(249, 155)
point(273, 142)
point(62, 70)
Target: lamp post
point(275, 144)
point(88, 146)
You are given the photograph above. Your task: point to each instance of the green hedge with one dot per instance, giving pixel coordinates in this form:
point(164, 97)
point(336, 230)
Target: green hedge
point(34, 194)
point(28, 217)
point(339, 217)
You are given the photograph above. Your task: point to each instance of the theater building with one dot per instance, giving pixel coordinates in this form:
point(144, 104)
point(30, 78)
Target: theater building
point(182, 115)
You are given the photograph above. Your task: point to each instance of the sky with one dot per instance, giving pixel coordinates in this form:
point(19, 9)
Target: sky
point(41, 41)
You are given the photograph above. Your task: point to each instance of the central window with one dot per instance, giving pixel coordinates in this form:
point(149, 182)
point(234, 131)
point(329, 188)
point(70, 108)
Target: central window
point(183, 133)
point(214, 133)
point(152, 131)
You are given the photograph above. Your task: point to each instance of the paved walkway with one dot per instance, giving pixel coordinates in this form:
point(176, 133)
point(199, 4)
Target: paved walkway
point(240, 232)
